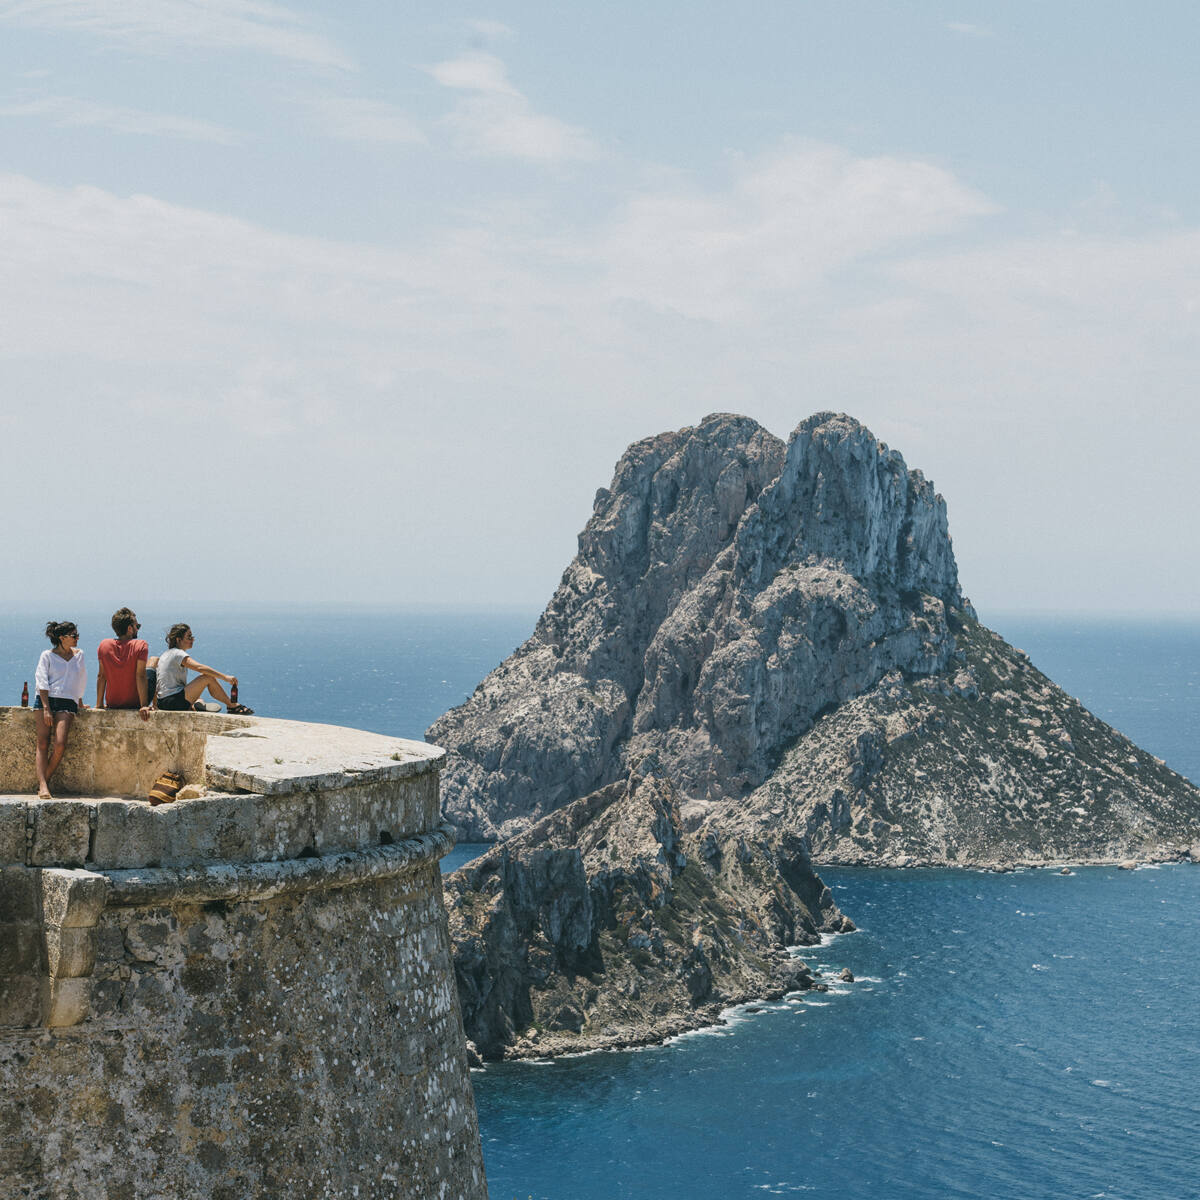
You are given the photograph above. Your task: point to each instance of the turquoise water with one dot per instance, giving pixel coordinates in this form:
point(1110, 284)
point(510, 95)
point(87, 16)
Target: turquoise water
point(1026, 1035)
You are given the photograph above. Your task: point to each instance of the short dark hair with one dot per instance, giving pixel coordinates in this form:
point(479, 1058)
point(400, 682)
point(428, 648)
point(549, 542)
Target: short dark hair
point(177, 633)
point(122, 619)
point(57, 630)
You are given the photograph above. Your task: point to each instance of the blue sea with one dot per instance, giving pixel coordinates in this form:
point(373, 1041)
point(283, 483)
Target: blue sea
point(1027, 1035)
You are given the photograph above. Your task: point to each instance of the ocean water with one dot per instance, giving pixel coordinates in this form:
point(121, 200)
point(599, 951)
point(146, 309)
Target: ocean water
point(1027, 1035)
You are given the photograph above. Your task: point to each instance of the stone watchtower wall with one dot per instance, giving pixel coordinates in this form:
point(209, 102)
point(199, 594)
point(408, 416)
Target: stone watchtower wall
point(249, 993)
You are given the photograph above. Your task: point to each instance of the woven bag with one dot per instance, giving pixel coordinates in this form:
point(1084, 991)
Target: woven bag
point(166, 788)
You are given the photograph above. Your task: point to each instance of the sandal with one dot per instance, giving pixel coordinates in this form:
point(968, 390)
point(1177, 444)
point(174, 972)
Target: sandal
point(240, 710)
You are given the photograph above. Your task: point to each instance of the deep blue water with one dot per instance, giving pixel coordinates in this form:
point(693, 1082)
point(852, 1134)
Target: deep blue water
point(1026, 1035)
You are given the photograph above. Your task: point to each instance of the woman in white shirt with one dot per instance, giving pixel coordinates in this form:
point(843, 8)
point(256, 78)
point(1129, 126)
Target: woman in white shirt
point(60, 679)
point(172, 690)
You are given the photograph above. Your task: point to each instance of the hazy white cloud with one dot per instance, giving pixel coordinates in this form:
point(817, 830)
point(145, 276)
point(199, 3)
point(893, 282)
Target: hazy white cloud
point(70, 111)
point(812, 279)
point(475, 72)
point(151, 25)
point(494, 118)
point(969, 30)
point(787, 224)
point(357, 119)
point(495, 30)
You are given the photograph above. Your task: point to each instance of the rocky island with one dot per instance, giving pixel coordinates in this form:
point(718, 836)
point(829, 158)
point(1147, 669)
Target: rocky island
point(760, 657)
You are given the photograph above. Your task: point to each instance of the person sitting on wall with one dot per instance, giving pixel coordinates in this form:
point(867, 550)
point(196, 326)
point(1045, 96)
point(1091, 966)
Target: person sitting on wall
point(60, 679)
point(175, 694)
point(122, 682)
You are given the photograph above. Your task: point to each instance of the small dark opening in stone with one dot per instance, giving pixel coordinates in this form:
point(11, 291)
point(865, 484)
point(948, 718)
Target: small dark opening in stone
point(307, 852)
point(385, 838)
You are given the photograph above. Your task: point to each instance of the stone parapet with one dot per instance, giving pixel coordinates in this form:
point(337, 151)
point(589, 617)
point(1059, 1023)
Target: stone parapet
point(247, 993)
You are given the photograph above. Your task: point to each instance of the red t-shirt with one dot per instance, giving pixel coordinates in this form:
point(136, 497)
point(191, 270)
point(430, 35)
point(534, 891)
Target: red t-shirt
point(120, 660)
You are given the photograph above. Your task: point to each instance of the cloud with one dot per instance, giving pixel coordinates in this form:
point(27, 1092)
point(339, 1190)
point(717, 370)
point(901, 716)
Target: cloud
point(66, 111)
point(1023, 374)
point(495, 119)
point(494, 30)
point(789, 222)
point(968, 30)
point(357, 119)
point(151, 25)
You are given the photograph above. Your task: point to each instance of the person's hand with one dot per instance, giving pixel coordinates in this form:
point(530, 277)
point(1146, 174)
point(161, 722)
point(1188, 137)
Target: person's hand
point(48, 717)
point(144, 712)
point(232, 679)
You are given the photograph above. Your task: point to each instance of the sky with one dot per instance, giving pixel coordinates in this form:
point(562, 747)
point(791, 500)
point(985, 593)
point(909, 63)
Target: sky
point(360, 303)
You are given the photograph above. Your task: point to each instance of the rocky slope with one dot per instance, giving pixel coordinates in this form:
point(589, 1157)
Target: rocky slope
point(779, 631)
point(987, 763)
point(727, 590)
point(607, 925)
point(760, 652)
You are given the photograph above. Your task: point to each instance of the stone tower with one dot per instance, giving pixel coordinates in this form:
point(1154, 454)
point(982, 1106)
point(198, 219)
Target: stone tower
point(248, 993)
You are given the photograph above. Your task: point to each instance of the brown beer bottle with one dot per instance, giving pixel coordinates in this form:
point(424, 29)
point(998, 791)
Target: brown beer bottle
point(233, 693)
point(25, 695)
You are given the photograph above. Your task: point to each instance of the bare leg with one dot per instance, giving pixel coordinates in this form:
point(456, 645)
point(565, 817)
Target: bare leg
point(209, 683)
point(43, 753)
point(62, 729)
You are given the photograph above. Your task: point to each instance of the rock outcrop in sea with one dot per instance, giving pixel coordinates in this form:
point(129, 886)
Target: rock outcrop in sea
point(774, 636)
point(608, 925)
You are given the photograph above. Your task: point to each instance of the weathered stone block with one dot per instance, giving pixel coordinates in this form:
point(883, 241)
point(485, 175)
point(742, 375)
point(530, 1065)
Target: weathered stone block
point(114, 755)
point(285, 825)
point(151, 941)
point(73, 899)
point(61, 833)
point(68, 1003)
point(215, 828)
point(335, 820)
point(22, 1000)
point(20, 897)
point(13, 815)
point(128, 834)
point(22, 950)
point(70, 953)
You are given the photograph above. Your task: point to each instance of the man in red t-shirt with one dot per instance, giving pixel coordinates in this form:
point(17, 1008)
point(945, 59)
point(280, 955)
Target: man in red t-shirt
point(121, 682)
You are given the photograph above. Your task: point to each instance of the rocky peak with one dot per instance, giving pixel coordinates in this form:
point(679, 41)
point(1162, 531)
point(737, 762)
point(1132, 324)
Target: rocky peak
point(727, 589)
point(673, 506)
point(843, 497)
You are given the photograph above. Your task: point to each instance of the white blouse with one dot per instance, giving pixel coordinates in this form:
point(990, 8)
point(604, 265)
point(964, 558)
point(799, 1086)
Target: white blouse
point(63, 678)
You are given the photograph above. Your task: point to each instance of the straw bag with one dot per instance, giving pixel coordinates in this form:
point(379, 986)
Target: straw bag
point(166, 788)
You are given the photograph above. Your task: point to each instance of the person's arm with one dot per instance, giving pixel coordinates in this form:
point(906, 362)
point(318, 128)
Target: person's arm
point(82, 662)
point(201, 669)
point(142, 686)
point(101, 681)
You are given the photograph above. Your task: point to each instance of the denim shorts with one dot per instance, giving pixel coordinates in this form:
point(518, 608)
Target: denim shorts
point(58, 704)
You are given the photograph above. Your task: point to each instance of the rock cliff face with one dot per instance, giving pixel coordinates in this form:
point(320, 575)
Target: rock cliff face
point(779, 632)
point(607, 925)
point(727, 590)
point(760, 652)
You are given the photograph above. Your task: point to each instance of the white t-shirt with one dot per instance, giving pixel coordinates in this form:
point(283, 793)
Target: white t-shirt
point(172, 674)
point(62, 678)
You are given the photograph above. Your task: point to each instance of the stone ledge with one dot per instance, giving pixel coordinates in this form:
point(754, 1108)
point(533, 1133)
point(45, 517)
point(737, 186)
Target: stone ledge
point(262, 880)
point(275, 790)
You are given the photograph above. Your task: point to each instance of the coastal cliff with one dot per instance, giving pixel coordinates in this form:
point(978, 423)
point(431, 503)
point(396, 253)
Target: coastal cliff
point(771, 640)
point(608, 925)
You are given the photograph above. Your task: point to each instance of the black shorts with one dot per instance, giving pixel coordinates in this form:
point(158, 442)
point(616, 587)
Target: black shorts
point(58, 704)
point(175, 702)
